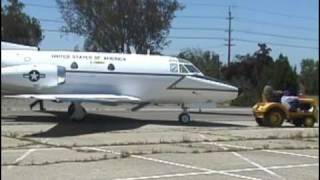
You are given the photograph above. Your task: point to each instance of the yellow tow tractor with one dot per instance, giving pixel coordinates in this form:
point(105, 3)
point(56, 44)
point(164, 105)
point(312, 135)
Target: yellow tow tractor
point(273, 114)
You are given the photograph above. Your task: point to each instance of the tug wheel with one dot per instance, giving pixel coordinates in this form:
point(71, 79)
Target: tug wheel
point(309, 121)
point(274, 118)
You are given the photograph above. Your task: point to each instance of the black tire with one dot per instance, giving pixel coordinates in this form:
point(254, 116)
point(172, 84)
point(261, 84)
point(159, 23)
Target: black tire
point(297, 122)
point(309, 121)
point(77, 120)
point(71, 109)
point(184, 118)
point(80, 119)
point(274, 118)
point(259, 121)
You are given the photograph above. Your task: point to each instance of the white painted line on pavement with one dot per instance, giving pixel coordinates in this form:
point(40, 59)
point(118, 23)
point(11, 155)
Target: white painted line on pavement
point(38, 149)
point(294, 166)
point(264, 150)
point(171, 163)
point(216, 144)
point(202, 136)
point(166, 176)
point(100, 150)
point(244, 158)
point(289, 153)
point(193, 167)
point(257, 165)
point(228, 145)
point(210, 172)
point(274, 167)
point(174, 164)
point(22, 157)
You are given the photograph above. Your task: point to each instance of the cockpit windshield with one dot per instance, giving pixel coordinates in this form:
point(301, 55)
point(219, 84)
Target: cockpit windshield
point(192, 68)
point(187, 67)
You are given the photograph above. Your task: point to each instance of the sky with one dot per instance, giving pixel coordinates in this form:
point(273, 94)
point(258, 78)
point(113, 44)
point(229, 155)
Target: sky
point(290, 27)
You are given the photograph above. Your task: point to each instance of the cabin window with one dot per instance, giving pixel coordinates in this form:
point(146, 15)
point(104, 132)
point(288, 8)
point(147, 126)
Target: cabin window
point(182, 69)
point(27, 59)
point(111, 67)
point(74, 65)
point(173, 67)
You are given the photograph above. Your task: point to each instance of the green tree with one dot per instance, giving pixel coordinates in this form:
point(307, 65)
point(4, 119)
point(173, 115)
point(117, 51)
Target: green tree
point(110, 25)
point(17, 26)
point(208, 62)
point(283, 75)
point(254, 69)
point(253, 72)
point(310, 75)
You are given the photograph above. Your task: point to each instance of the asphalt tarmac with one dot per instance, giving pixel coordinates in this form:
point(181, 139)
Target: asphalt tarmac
point(224, 143)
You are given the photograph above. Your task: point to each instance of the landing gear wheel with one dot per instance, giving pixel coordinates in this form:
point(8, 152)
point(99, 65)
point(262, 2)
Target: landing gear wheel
point(76, 112)
point(71, 109)
point(184, 118)
point(274, 118)
point(309, 121)
point(259, 121)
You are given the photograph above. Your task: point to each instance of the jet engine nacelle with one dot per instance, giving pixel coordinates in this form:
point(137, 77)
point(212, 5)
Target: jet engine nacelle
point(32, 76)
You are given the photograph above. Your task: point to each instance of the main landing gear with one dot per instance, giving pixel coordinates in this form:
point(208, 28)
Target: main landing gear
point(40, 102)
point(77, 112)
point(184, 117)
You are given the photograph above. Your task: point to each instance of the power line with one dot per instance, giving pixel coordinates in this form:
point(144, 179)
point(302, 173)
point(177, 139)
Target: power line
point(246, 32)
point(202, 17)
point(275, 35)
point(197, 48)
point(217, 29)
point(239, 19)
point(274, 25)
point(196, 37)
point(214, 5)
point(276, 13)
point(220, 29)
point(199, 29)
point(211, 37)
point(276, 44)
point(208, 5)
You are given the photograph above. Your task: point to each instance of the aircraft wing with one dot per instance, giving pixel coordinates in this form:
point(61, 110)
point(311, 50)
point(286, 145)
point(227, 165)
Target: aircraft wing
point(14, 46)
point(95, 98)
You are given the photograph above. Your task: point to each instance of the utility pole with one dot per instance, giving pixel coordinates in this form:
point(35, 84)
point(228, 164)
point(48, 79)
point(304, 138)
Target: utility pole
point(229, 35)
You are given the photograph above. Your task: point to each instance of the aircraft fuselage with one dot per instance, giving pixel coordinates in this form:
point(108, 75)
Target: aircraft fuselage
point(156, 79)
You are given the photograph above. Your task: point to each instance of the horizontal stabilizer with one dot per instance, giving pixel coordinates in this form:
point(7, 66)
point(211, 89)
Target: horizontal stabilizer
point(13, 46)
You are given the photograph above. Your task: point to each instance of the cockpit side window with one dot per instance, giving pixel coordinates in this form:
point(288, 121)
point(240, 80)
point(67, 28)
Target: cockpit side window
point(182, 69)
point(173, 67)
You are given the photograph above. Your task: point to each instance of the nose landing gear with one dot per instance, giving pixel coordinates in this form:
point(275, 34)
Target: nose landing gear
point(184, 117)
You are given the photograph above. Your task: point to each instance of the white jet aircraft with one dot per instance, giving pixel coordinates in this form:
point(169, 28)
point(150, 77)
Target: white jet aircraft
point(106, 78)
